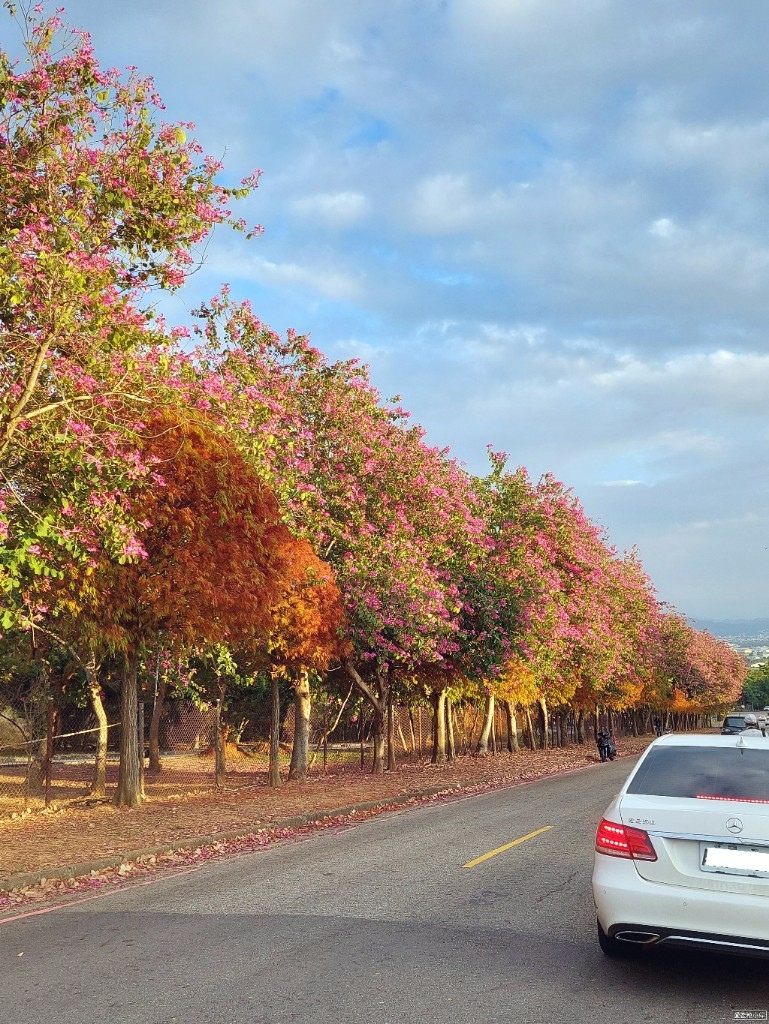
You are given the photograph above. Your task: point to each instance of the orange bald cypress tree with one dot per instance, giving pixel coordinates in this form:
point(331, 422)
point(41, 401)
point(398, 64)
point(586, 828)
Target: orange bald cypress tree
point(213, 563)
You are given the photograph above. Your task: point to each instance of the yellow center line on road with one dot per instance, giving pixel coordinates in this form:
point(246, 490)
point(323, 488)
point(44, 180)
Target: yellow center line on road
point(501, 849)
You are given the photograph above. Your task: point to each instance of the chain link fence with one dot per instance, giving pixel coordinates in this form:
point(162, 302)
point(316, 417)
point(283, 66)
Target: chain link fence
point(50, 756)
point(40, 769)
point(43, 769)
point(62, 765)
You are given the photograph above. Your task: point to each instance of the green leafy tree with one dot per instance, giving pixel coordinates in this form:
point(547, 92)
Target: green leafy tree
point(756, 688)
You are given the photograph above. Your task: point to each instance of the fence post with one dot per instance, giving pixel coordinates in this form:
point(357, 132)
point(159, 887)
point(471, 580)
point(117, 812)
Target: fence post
point(140, 716)
point(50, 717)
point(219, 741)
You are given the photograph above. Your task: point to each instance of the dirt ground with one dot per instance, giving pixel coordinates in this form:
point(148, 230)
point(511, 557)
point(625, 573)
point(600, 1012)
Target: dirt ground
point(101, 844)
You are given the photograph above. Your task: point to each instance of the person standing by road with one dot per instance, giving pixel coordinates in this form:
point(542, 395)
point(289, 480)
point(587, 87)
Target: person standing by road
point(752, 727)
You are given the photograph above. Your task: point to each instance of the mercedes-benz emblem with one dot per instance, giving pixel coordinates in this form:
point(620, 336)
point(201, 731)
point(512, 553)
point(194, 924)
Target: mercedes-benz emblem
point(734, 825)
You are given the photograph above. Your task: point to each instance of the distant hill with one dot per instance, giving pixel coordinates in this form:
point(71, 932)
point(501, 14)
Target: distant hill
point(730, 628)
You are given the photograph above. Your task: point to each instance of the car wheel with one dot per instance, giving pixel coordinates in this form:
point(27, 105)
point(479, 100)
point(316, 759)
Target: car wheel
point(613, 947)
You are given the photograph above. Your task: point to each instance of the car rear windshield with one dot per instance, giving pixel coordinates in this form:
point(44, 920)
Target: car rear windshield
point(705, 773)
point(734, 721)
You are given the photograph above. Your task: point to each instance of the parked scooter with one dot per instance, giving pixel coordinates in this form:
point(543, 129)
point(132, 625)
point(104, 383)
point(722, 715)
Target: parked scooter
point(607, 748)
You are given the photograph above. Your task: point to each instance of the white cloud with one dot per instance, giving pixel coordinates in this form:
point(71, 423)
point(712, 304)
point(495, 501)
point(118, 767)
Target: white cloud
point(687, 441)
point(337, 285)
point(732, 382)
point(545, 223)
point(443, 203)
point(663, 227)
point(336, 210)
point(725, 152)
point(623, 483)
point(354, 348)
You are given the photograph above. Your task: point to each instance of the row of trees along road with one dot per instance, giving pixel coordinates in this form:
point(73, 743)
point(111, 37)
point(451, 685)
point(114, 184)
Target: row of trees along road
point(229, 500)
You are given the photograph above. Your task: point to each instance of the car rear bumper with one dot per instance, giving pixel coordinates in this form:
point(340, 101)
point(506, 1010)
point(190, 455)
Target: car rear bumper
point(648, 937)
point(643, 913)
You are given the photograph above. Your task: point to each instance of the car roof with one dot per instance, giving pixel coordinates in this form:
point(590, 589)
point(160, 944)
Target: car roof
point(707, 740)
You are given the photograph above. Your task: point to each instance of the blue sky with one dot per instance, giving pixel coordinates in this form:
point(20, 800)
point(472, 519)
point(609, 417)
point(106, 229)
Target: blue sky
point(543, 223)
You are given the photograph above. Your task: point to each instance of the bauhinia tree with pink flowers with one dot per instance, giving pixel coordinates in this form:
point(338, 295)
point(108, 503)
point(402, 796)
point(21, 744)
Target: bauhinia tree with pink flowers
point(395, 517)
point(619, 656)
point(696, 671)
point(546, 544)
point(102, 203)
point(588, 634)
point(442, 580)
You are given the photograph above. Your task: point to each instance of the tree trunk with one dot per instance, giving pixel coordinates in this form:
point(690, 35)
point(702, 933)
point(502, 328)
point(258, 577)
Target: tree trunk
point(377, 741)
point(327, 730)
point(273, 772)
point(300, 749)
point(471, 728)
point(438, 701)
point(378, 702)
point(413, 732)
point(512, 727)
point(402, 738)
point(48, 759)
point(157, 713)
point(530, 740)
point(35, 711)
point(220, 740)
point(451, 749)
point(130, 792)
point(390, 730)
point(482, 747)
point(544, 719)
point(460, 731)
point(581, 726)
point(99, 779)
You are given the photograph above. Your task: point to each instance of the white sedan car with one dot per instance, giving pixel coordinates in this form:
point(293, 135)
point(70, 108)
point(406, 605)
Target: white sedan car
point(682, 852)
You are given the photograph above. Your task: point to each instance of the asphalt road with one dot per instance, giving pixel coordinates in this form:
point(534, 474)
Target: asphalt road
point(382, 921)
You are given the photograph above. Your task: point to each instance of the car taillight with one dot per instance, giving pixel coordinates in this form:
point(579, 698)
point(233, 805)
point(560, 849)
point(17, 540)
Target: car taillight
point(624, 841)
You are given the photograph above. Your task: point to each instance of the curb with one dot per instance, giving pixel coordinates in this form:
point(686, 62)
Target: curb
point(23, 880)
point(63, 872)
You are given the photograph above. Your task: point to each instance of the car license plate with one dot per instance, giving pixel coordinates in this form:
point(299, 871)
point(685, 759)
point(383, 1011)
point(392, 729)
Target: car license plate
point(735, 860)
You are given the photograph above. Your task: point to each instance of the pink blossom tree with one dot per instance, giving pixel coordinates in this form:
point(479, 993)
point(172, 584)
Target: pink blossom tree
point(103, 203)
point(587, 630)
point(394, 516)
point(697, 673)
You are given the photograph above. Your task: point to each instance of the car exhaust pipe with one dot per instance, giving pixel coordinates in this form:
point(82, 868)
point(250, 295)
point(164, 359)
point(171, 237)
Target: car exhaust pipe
point(638, 938)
